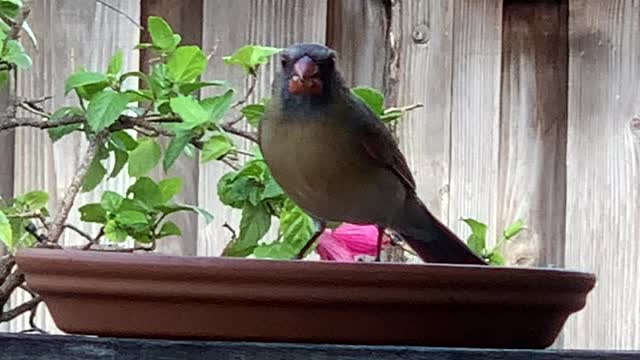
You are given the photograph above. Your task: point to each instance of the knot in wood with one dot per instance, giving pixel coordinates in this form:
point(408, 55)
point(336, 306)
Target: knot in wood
point(420, 34)
point(635, 127)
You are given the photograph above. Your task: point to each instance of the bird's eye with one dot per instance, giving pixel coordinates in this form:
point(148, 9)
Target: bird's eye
point(284, 62)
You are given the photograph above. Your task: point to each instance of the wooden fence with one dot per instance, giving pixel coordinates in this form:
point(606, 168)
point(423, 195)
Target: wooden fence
point(528, 112)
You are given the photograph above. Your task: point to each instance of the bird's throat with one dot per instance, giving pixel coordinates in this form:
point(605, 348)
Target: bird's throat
point(309, 87)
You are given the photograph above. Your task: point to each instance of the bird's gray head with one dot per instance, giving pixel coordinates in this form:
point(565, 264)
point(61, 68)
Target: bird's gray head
point(307, 71)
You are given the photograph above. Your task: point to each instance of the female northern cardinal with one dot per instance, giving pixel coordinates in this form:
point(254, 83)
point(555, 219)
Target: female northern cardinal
point(335, 159)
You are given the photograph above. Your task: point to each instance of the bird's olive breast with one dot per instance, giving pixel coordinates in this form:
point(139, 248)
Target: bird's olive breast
point(323, 167)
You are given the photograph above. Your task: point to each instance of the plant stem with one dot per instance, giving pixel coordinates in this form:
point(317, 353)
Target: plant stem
point(76, 183)
point(242, 133)
point(20, 309)
point(8, 123)
point(252, 86)
point(14, 32)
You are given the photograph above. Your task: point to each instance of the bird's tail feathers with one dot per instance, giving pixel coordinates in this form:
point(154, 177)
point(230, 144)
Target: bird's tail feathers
point(430, 238)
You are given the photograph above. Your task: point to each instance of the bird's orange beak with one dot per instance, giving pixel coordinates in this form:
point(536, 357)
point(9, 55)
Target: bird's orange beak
point(305, 68)
point(305, 78)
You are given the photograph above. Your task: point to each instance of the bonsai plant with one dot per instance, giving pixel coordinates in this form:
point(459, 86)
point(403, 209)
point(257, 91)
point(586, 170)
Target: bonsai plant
point(171, 294)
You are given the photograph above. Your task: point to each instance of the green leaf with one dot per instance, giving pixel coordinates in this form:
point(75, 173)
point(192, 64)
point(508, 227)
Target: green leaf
point(105, 108)
point(477, 239)
point(88, 92)
point(14, 53)
point(496, 259)
point(9, 8)
point(249, 57)
point(232, 190)
point(168, 209)
point(123, 140)
point(296, 227)
point(113, 232)
point(129, 217)
point(137, 74)
point(4, 78)
point(95, 174)
point(248, 184)
point(158, 81)
point(254, 224)
point(6, 233)
point(175, 148)
point(121, 158)
point(135, 205)
point(217, 106)
point(93, 213)
point(276, 250)
point(271, 188)
point(176, 40)
point(144, 157)
point(208, 217)
point(189, 87)
point(138, 95)
point(111, 201)
point(34, 199)
point(59, 132)
point(115, 64)
point(186, 64)
point(189, 111)
point(253, 113)
point(146, 191)
point(169, 228)
point(84, 78)
point(143, 235)
point(170, 188)
point(161, 33)
point(173, 208)
point(371, 97)
point(4, 29)
point(217, 146)
point(513, 229)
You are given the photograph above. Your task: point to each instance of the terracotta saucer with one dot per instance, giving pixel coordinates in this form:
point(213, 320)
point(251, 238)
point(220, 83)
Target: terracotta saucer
point(157, 296)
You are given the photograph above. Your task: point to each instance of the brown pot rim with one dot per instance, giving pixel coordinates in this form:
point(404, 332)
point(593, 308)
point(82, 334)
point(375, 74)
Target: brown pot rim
point(238, 298)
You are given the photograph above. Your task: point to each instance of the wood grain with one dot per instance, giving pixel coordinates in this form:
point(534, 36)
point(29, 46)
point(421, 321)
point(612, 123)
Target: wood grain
point(356, 30)
point(475, 111)
point(270, 23)
point(6, 169)
point(41, 347)
point(603, 172)
point(6, 153)
point(187, 21)
point(533, 126)
point(71, 33)
point(425, 77)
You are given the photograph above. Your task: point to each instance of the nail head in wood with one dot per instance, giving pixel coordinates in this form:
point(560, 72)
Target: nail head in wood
point(420, 34)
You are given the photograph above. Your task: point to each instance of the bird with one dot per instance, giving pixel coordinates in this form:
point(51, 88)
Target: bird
point(336, 160)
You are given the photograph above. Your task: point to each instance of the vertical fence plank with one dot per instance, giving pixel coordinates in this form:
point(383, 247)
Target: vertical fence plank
point(425, 58)
point(6, 167)
point(477, 34)
point(6, 153)
point(603, 170)
point(71, 33)
point(533, 130)
point(356, 30)
point(227, 26)
point(187, 21)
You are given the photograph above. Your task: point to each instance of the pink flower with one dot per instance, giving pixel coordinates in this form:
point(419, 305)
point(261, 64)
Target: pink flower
point(348, 241)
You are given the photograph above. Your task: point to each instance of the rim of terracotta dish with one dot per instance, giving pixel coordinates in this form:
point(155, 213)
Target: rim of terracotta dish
point(171, 267)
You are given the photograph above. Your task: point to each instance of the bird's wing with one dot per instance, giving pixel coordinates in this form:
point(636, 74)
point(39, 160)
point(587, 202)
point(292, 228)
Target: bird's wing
point(382, 148)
